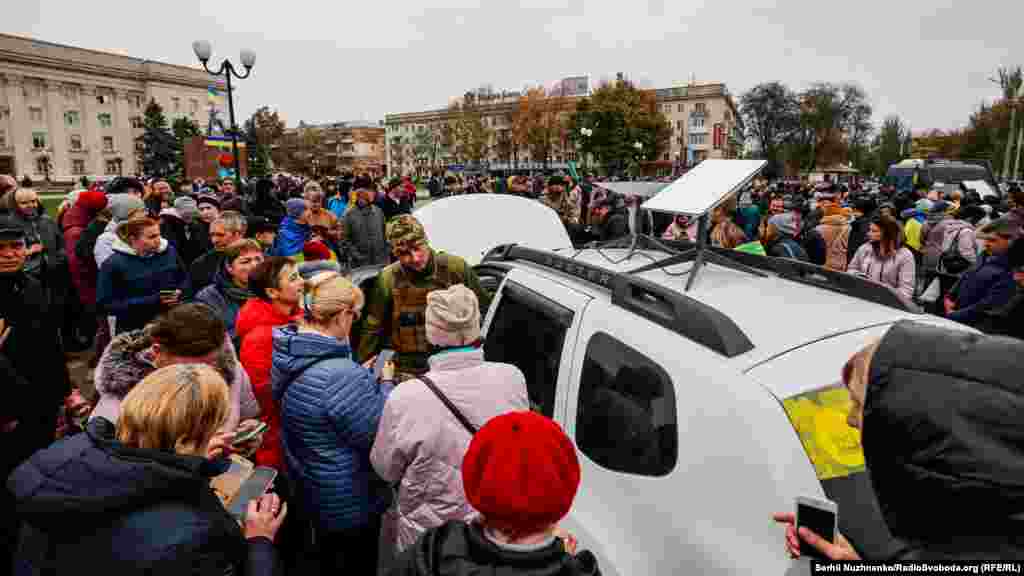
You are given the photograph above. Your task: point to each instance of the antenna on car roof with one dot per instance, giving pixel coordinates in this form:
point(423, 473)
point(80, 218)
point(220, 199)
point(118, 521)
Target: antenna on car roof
point(698, 193)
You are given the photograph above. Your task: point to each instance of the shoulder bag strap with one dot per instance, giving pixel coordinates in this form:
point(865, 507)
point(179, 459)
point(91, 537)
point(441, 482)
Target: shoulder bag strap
point(444, 400)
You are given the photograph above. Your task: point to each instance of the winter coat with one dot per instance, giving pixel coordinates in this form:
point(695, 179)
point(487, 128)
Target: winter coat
point(291, 236)
point(986, 286)
point(942, 442)
point(898, 271)
point(786, 247)
point(42, 229)
point(330, 408)
point(202, 272)
point(338, 205)
point(129, 285)
point(92, 504)
point(858, 235)
point(940, 237)
point(364, 232)
point(616, 225)
point(391, 207)
point(460, 549)
point(183, 236)
point(129, 358)
point(827, 245)
point(420, 444)
point(254, 329)
point(83, 273)
point(225, 298)
point(32, 368)
point(1006, 320)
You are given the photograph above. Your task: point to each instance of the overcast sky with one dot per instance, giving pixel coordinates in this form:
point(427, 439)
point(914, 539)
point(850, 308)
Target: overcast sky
point(928, 61)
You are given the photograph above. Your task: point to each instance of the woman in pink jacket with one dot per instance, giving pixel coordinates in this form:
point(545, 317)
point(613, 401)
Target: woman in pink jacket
point(420, 440)
point(884, 259)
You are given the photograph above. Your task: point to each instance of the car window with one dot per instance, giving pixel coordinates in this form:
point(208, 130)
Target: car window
point(626, 414)
point(528, 331)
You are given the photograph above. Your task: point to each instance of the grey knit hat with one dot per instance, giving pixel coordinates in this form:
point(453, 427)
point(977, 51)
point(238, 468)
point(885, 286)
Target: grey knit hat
point(453, 317)
point(186, 208)
point(121, 205)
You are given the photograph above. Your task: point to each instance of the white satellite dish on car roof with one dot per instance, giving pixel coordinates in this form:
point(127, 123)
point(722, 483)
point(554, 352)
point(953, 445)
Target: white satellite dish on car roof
point(703, 188)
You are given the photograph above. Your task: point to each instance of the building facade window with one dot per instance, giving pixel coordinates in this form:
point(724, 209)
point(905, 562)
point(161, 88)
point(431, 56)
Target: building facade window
point(697, 121)
point(39, 140)
point(3, 139)
point(698, 139)
point(108, 143)
point(700, 108)
point(72, 119)
point(136, 101)
point(680, 107)
point(140, 146)
point(136, 121)
point(110, 167)
point(75, 142)
point(106, 120)
point(78, 166)
point(35, 114)
point(102, 98)
point(42, 165)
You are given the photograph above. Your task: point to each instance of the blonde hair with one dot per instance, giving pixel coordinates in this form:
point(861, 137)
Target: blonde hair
point(176, 408)
point(327, 294)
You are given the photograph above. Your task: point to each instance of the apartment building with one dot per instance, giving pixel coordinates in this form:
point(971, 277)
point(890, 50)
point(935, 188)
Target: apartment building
point(331, 149)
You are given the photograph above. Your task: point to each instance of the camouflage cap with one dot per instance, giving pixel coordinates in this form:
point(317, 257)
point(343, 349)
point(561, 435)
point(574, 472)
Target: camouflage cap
point(405, 231)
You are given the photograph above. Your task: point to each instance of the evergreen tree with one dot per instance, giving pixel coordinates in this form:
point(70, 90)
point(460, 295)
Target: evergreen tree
point(159, 154)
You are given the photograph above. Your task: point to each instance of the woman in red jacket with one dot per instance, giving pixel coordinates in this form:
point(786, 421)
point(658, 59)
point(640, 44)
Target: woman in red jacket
point(278, 288)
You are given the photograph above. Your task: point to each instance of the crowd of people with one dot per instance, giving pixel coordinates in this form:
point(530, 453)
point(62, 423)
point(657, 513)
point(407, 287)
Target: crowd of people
point(218, 313)
point(214, 312)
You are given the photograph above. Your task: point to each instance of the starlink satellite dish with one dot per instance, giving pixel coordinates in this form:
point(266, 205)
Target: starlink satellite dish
point(704, 187)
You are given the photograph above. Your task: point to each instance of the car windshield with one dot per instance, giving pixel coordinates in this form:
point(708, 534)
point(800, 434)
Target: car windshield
point(834, 448)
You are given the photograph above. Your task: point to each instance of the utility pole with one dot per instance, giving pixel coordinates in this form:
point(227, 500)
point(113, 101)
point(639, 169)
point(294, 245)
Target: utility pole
point(1020, 144)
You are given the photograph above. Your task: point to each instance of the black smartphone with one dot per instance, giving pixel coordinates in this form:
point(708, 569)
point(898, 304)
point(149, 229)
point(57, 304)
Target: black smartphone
point(256, 485)
point(819, 516)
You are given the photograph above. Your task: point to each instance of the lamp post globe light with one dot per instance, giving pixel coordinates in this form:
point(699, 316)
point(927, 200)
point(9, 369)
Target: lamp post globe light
point(204, 51)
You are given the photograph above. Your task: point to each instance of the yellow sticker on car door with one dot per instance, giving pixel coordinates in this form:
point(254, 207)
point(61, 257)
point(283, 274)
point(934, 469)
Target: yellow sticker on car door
point(819, 418)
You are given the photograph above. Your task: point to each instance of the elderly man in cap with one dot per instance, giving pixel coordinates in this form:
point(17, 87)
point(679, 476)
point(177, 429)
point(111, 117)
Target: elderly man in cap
point(32, 369)
point(395, 311)
point(989, 284)
point(364, 227)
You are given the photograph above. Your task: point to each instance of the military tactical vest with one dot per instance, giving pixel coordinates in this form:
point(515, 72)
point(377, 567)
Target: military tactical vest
point(408, 312)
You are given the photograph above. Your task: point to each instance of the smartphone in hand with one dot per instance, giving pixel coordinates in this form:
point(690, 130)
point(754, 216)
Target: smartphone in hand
point(244, 436)
point(383, 358)
point(819, 516)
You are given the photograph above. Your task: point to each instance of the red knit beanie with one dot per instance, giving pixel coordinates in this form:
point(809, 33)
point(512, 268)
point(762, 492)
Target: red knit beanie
point(92, 201)
point(521, 473)
point(312, 251)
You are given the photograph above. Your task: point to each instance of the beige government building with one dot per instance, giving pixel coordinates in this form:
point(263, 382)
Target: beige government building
point(704, 118)
point(69, 112)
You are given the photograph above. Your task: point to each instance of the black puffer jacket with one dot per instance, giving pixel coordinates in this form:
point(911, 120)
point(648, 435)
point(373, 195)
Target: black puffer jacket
point(90, 503)
point(944, 444)
point(460, 549)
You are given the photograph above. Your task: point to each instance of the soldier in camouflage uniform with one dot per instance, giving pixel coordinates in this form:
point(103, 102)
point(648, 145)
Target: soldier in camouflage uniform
point(565, 203)
point(395, 310)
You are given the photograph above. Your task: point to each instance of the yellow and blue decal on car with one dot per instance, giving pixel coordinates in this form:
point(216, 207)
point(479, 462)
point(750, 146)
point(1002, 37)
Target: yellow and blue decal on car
point(819, 418)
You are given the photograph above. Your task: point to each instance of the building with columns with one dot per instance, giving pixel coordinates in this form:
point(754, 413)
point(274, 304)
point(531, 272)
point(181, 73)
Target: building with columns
point(704, 118)
point(68, 112)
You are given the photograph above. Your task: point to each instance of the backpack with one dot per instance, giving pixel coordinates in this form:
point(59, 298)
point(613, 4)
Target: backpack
point(951, 260)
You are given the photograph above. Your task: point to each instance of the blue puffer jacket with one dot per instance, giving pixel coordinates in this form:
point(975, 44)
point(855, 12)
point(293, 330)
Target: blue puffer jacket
point(129, 285)
point(330, 408)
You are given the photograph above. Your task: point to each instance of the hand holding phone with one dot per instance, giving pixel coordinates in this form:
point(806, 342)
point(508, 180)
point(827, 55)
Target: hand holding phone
point(820, 517)
point(385, 357)
point(243, 435)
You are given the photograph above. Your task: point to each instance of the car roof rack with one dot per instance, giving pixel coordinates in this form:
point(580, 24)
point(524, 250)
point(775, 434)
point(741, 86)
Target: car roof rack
point(683, 315)
point(802, 272)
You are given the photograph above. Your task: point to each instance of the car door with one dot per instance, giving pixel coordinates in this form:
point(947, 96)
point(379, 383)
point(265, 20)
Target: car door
point(532, 323)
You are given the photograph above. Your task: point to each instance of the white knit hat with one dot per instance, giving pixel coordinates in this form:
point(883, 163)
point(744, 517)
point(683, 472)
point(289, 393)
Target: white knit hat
point(453, 317)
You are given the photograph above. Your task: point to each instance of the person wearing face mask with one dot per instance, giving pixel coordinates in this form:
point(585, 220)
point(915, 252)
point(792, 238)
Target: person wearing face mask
point(330, 409)
point(142, 278)
point(230, 288)
point(398, 303)
point(364, 227)
point(134, 497)
point(946, 470)
point(884, 260)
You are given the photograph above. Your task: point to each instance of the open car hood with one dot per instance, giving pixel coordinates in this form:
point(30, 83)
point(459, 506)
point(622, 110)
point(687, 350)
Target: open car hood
point(469, 226)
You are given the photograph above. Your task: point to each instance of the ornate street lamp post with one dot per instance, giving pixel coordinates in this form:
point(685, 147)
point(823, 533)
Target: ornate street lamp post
point(203, 51)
